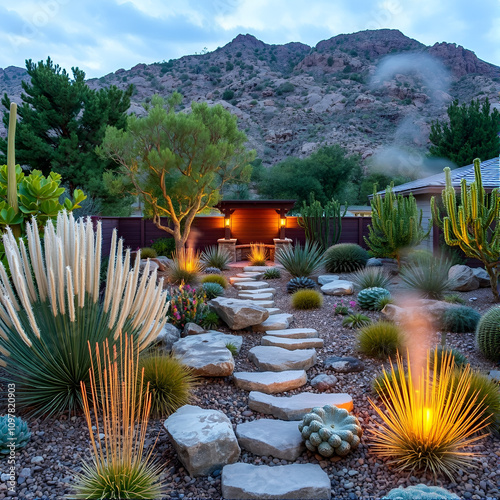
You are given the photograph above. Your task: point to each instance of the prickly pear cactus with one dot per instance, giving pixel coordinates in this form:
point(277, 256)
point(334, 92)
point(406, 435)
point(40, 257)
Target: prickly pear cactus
point(367, 298)
point(488, 334)
point(13, 431)
point(299, 283)
point(330, 431)
point(420, 492)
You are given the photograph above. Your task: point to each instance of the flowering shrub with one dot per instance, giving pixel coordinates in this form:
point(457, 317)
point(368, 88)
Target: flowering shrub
point(343, 309)
point(187, 305)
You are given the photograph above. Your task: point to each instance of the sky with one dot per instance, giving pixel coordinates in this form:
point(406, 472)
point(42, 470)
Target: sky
point(101, 36)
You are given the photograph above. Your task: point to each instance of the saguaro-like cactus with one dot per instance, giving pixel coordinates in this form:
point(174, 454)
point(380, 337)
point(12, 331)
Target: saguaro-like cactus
point(11, 167)
point(396, 224)
point(474, 225)
point(322, 224)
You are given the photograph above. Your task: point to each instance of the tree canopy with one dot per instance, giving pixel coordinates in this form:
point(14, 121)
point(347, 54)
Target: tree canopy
point(61, 121)
point(470, 132)
point(179, 162)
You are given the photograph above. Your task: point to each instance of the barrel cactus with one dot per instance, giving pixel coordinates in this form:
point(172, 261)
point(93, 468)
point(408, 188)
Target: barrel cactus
point(488, 334)
point(420, 492)
point(330, 431)
point(13, 431)
point(299, 283)
point(369, 297)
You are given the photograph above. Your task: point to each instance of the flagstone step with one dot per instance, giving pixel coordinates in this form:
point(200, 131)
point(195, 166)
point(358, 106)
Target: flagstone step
point(257, 292)
point(305, 481)
point(251, 285)
point(255, 274)
point(261, 303)
point(256, 296)
point(266, 436)
point(277, 359)
point(296, 406)
point(291, 344)
point(270, 382)
point(257, 269)
point(273, 310)
point(294, 333)
point(274, 322)
point(234, 279)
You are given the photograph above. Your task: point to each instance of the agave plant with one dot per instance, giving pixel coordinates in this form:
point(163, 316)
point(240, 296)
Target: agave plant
point(301, 260)
point(214, 256)
point(51, 308)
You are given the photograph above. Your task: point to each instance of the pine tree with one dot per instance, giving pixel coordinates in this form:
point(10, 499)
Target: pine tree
point(471, 132)
point(396, 225)
point(474, 225)
point(62, 121)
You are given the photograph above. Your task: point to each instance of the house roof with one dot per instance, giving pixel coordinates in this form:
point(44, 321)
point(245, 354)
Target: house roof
point(490, 173)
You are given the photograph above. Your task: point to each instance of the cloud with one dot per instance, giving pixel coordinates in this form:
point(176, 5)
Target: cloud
point(101, 36)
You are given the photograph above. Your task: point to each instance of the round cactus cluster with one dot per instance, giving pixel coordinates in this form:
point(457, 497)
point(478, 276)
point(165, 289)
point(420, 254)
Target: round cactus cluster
point(369, 297)
point(299, 283)
point(420, 492)
point(212, 270)
point(488, 334)
point(330, 431)
point(13, 431)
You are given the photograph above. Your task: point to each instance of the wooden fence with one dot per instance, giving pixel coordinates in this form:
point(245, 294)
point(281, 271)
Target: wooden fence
point(206, 230)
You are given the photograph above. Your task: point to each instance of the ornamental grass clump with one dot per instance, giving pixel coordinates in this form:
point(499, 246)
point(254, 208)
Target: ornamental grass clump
point(301, 260)
point(215, 278)
point(460, 319)
point(371, 277)
point(121, 407)
point(52, 306)
point(307, 299)
point(258, 254)
point(213, 256)
point(382, 339)
point(185, 267)
point(171, 383)
point(428, 424)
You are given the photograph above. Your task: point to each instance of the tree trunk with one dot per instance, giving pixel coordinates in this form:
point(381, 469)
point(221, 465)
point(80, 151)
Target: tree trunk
point(493, 274)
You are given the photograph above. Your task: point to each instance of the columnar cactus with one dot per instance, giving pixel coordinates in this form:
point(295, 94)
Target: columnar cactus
point(330, 431)
point(473, 225)
point(369, 297)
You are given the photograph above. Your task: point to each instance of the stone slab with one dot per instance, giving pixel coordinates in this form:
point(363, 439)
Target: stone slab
point(294, 333)
point(237, 313)
point(294, 481)
point(257, 292)
point(255, 275)
point(270, 382)
point(339, 287)
point(345, 364)
point(256, 269)
point(277, 359)
point(274, 322)
point(203, 439)
point(211, 338)
point(278, 438)
point(273, 310)
point(262, 303)
point(208, 361)
point(256, 296)
point(235, 279)
point(251, 285)
point(292, 344)
point(295, 407)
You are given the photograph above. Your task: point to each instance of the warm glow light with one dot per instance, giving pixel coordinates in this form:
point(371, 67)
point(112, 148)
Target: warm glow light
point(282, 222)
point(226, 222)
point(258, 254)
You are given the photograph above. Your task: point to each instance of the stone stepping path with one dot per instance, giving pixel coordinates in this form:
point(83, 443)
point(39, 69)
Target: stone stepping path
point(257, 292)
point(257, 269)
point(273, 310)
point(274, 322)
point(277, 359)
point(256, 296)
point(254, 275)
point(304, 481)
point(278, 438)
point(251, 285)
point(211, 338)
point(261, 303)
point(234, 280)
point(292, 344)
point(295, 333)
point(270, 382)
point(295, 407)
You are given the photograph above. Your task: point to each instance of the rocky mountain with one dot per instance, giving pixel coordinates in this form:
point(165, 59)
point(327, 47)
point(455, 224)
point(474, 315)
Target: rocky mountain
point(373, 92)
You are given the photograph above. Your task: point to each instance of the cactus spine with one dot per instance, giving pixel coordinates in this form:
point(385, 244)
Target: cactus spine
point(322, 224)
point(474, 226)
point(11, 166)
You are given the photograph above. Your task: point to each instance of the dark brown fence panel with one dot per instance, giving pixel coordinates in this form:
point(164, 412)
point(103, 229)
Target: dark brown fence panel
point(255, 226)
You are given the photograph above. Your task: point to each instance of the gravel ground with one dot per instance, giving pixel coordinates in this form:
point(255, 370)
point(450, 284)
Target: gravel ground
point(46, 467)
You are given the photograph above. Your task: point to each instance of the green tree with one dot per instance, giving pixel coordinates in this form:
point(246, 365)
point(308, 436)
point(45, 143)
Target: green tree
point(62, 121)
point(179, 162)
point(326, 173)
point(396, 225)
point(473, 225)
point(470, 132)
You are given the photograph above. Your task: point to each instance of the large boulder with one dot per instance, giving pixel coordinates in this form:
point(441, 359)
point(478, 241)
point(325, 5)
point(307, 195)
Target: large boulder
point(168, 336)
point(464, 280)
point(482, 276)
point(338, 287)
point(238, 314)
point(204, 440)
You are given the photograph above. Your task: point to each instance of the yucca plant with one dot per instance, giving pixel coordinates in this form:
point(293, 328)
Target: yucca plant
point(171, 383)
point(301, 260)
point(371, 277)
point(215, 256)
point(428, 276)
point(185, 267)
point(258, 254)
point(428, 423)
point(51, 308)
point(121, 409)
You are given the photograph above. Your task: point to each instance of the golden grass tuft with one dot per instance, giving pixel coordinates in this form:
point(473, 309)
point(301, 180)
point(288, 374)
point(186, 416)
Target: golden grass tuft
point(185, 267)
point(258, 254)
point(428, 421)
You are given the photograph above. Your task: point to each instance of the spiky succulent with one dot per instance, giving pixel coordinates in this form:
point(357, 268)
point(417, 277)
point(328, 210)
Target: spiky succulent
point(14, 432)
point(212, 270)
point(273, 273)
point(330, 431)
point(488, 334)
point(369, 298)
point(212, 290)
point(300, 282)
